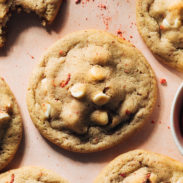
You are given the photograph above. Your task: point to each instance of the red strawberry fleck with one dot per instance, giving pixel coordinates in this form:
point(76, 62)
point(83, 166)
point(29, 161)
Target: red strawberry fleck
point(122, 175)
point(127, 112)
point(148, 175)
point(12, 178)
point(163, 81)
point(64, 83)
point(61, 52)
point(161, 27)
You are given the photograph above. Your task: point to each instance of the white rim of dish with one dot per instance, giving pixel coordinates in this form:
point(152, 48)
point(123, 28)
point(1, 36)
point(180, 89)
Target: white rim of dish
point(175, 137)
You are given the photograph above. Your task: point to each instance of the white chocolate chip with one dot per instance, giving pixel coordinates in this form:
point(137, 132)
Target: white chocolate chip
point(138, 176)
point(100, 98)
point(62, 59)
point(9, 105)
point(78, 90)
point(72, 116)
point(47, 110)
point(44, 81)
point(6, 103)
point(44, 84)
point(97, 73)
point(165, 23)
point(100, 117)
point(177, 23)
point(115, 121)
point(153, 178)
point(4, 116)
point(97, 54)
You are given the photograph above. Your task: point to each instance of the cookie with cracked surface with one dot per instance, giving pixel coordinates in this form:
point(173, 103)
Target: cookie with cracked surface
point(140, 166)
point(90, 91)
point(47, 10)
point(10, 125)
point(31, 175)
point(160, 23)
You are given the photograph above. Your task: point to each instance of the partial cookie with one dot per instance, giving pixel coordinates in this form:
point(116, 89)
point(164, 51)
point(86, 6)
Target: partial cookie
point(160, 24)
point(10, 125)
point(142, 167)
point(47, 10)
point(30, 175)
point(90, 91)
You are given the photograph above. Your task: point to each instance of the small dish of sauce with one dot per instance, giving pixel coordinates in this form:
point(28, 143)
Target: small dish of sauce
point(176, 118)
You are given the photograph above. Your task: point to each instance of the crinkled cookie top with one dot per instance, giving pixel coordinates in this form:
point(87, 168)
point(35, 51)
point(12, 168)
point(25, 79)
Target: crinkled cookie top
point(90, 90)
point(141, 167)
point(160, 23)
point(30, 175)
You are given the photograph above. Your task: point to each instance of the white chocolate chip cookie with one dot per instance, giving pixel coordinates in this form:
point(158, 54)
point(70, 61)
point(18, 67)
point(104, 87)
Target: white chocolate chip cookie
point(10, 125)
point(160, 23)
point(142, 167)
point(30, 175)
point(47, 10)
point(101, 93)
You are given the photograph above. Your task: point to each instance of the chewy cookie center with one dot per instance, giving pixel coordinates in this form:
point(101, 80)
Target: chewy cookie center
point(169, 17)
point(89, 87)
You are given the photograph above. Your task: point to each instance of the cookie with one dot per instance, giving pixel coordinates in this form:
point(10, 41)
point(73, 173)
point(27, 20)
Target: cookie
point(141, 166)
point(160, 24)
point(47, 10)
point(30, 175)
point(90, 91)
point(10, 125)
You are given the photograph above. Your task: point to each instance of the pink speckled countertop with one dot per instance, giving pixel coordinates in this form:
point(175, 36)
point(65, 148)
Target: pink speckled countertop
point(27, 38)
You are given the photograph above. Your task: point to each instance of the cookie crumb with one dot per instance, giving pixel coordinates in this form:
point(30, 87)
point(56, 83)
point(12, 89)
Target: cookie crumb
point(163, 82)
point(31, 55)
point(119, 32)
point(102, 6)
point(12, 178)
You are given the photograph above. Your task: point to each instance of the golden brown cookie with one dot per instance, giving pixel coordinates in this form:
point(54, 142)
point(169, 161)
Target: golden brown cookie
point(160, 24)
point(30, 175)
point(142, 167)
point(47, 10)
point(90, 91)
point(10, 125)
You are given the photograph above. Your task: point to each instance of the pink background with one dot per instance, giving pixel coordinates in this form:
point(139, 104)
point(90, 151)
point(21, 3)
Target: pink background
point(26, 38)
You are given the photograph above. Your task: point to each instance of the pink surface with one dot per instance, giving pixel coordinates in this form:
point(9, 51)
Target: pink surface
point(27, 38)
